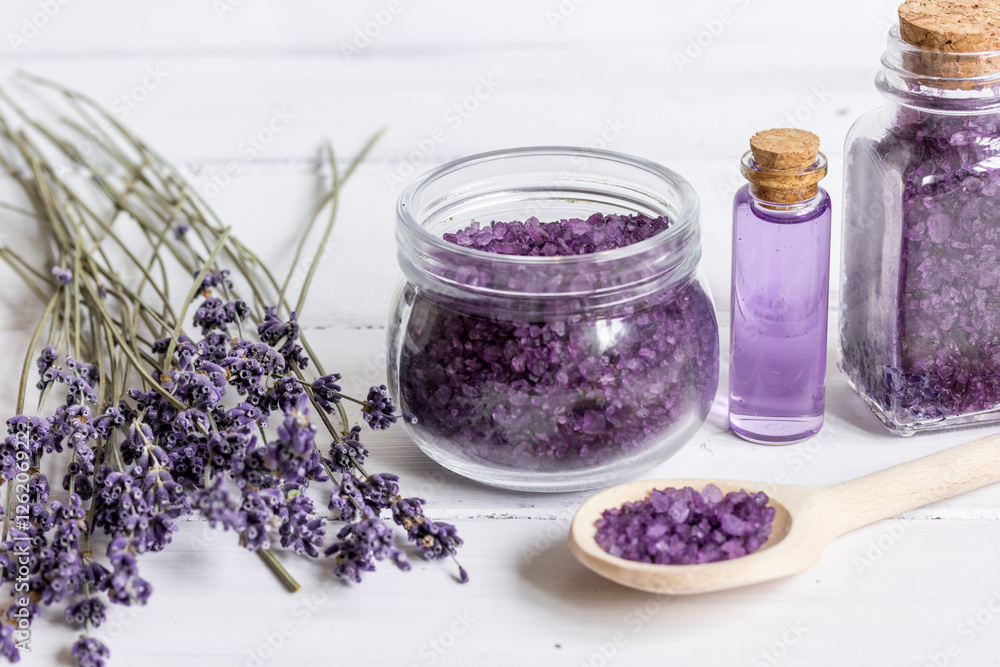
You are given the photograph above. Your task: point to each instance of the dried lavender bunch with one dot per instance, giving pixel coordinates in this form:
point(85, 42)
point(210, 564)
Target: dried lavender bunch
point(152, 423)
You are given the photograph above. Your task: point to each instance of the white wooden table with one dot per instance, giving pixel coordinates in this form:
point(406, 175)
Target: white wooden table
point(200, 76)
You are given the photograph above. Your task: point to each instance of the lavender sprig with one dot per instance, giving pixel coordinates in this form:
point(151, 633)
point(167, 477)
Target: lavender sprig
point(156, 424)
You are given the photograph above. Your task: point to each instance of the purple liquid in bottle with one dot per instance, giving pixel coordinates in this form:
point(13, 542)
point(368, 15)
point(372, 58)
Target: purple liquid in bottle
point(777, 358)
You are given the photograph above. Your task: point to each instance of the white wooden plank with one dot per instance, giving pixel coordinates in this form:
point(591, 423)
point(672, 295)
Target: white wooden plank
point(201, 26)
point(201, 109)
point(529, 602)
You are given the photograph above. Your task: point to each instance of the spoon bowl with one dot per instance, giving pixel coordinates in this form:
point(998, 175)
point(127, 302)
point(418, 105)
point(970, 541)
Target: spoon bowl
point(805, 520)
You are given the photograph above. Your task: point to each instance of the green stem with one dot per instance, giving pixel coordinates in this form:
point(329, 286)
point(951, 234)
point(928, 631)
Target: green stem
point(279, 570)
point(168, 357)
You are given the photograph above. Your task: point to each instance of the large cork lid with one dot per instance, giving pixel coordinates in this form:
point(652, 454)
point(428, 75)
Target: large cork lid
point(785, 167)
point(951, 26)
point(943, 27)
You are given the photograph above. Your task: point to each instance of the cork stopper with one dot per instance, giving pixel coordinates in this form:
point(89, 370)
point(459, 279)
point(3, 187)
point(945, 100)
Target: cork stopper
point(786, 167)
point(940, 28)
point(784, 149)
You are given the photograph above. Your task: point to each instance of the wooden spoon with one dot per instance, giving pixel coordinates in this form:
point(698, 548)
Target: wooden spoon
point(805, 521)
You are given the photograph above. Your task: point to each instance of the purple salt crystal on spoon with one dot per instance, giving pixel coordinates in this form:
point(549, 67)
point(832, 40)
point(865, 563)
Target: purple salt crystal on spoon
point(681, 526)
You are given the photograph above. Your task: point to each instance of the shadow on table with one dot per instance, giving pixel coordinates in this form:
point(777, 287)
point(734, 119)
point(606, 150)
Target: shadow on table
point(558, 581)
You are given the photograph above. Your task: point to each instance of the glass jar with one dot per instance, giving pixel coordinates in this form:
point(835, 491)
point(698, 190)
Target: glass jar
point(920, 295)
point(550, 373)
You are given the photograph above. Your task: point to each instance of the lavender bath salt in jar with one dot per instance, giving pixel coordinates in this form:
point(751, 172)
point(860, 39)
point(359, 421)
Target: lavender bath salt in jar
point(920, 297)
point(551, 332)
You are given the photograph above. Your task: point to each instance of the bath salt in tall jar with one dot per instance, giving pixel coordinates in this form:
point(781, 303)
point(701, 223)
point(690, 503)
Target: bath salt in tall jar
point(551, 332)
point(920, 296)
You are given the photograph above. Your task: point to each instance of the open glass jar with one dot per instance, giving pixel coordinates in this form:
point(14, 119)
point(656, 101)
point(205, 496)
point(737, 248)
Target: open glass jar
point(550, 373)
point(920, 297)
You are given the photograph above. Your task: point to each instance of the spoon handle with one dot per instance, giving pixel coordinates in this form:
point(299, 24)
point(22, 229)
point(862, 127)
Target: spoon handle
point(907, 486)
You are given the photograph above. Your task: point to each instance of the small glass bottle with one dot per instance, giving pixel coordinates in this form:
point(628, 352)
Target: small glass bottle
point(780, 290)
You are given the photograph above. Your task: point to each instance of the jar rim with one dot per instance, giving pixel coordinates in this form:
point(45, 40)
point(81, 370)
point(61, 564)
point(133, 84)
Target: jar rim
point(939, 81)
point(687, 209)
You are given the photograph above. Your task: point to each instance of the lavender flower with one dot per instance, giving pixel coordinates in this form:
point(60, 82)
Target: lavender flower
point(347, 499)
point(26, 436)
point(347, 454)
point(259, 515)
point(297, 433)
point(360, 544)
point(378, 408)
point(435, 539)
point(218, 279)
point(8, 644)
point(326, 391)
point(286, 395)
point(89, 652)
point(89, 610)
point(226, 446)
point(124, 585)
point(139, 505)
point(301, 531)
point(280, 334)
point(89, 373)
point(61, 567)
point(214, 347)
point(63, 276)
point(214, 314)
point(217, 506)
point(46, 358)
point(112, 419)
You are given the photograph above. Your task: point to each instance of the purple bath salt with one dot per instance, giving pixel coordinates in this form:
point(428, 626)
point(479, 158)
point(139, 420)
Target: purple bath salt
point(920, 323)
point(565, 237)
point(684, 527)
point(557, 386)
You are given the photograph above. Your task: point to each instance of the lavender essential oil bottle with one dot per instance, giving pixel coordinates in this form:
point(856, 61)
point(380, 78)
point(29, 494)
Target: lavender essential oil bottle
point(780, 290)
